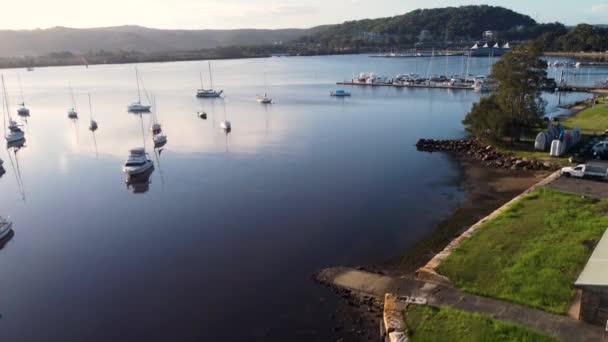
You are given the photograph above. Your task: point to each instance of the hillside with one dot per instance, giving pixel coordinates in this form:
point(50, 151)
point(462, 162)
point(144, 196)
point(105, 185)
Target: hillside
point(444, 24)
point(41, 42)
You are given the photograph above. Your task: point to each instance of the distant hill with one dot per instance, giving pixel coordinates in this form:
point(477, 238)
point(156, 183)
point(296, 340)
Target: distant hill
point(441, 24)
point(44, 41)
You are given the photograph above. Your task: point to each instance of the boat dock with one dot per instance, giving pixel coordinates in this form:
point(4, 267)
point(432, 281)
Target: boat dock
point(407, 85)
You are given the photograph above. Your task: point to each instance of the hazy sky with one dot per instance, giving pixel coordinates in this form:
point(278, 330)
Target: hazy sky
point(227, 14)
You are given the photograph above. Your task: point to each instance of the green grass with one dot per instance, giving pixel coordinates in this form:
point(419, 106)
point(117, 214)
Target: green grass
point(525, 149)
point(533, 252)
point(590, 120)
point(426, 324)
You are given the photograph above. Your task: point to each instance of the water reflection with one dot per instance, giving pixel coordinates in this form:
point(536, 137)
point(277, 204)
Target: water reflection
point(140, 183)
point(13, 148)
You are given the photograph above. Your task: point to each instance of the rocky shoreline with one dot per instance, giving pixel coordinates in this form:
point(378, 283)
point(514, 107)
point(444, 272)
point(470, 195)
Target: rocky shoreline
point(474, 149)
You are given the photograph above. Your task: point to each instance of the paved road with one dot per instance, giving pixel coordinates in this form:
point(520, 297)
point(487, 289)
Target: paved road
point(583, 187)
point(560, 327)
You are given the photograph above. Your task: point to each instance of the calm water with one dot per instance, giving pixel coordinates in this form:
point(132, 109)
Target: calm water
point(223, 240)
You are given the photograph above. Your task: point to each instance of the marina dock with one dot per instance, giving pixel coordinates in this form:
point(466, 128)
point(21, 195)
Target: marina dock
point(407, 85)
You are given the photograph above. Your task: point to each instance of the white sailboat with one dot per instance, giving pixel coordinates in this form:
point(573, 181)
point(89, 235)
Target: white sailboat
point(14, 134)
point(138, 106)
point(265, 99)
point(93, 125)
point(22, 110)
point(208, 93)
point(72, 112)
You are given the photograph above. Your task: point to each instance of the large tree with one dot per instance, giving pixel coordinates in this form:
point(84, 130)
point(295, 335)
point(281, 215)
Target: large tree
point(517, 103)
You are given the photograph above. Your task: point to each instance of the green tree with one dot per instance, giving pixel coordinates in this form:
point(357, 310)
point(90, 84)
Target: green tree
point(517, 103)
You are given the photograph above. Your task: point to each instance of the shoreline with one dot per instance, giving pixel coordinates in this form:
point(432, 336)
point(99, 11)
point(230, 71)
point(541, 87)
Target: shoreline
point(486, 189)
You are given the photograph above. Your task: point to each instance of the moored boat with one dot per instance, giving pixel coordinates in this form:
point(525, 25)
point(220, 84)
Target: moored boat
point(138, 162)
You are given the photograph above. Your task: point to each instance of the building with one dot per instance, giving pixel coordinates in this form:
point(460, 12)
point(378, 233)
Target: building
point(488, 35)
point(593, 282)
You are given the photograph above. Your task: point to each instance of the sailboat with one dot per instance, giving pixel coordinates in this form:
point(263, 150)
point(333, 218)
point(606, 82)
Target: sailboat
point(14, 134)
point(93, 125)
point(265, 99)
point(225, 124)
point(22, 110)
point(208, 93)
point(72, 112)
point(158, 137)
point(138, 107)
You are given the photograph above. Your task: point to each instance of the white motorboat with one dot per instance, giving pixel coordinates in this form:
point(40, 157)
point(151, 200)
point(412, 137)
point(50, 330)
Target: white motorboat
point(138, 106)
point(226, 125)
point(340, 93)
point(208, 93)
point(265, 99)
point(6, 226)
point(138, 162)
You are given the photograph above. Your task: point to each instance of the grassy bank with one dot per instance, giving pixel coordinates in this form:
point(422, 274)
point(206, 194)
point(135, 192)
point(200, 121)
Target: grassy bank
point(532, 253)
point(591, 120)
point(435, 325)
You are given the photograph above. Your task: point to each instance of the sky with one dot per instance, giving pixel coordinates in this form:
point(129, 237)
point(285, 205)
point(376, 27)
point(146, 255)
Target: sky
point(271, 14)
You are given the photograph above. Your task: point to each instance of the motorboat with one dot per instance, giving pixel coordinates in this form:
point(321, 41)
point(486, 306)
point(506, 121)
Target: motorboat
point(340, 93)
point(208, 93)
point(138, 106)
point(138, 162)
point(6, 226)
point(226, 125)
point(264, 99)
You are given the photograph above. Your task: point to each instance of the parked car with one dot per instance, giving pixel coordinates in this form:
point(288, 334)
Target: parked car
point(587, 171)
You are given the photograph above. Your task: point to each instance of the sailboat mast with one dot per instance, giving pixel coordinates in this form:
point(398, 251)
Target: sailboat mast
point(210, 76)
point(8, 111)
point(200, 73)
point(21, 89)
point(138, 90)
point(72, 97)
point(90, 107)
point(3, 110)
